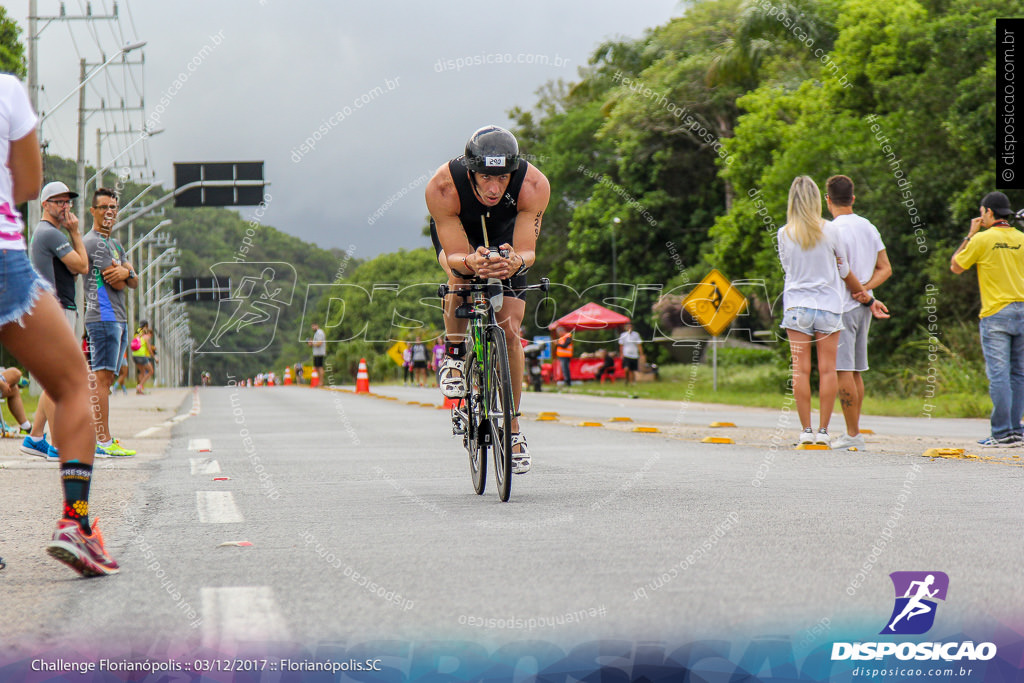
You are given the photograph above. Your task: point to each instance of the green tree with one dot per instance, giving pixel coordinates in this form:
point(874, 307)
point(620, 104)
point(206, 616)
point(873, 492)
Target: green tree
point(12, 52)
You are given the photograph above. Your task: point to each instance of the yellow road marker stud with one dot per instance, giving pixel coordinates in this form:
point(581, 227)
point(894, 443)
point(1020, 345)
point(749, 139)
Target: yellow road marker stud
point(547, 415)
point(546, 418)
point(591, 424)
point(716, 439)
point(943, 452)
point(647, 430)
point(621, 419)
point(813, 447)
point(412, 403)
point(722, 424)
point(869, 432)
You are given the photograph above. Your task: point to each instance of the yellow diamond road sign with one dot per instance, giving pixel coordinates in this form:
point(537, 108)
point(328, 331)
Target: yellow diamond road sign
point(714, 303)
point(396, 351)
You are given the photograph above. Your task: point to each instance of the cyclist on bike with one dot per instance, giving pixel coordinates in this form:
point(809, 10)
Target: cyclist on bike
point(492, 182)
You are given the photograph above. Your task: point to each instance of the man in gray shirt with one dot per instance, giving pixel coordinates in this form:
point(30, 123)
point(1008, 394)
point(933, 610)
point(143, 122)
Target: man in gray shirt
point(58, 253)
point(106, 320)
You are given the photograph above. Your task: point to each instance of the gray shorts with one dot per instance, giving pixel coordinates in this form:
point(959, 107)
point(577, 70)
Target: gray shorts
point(852, 354)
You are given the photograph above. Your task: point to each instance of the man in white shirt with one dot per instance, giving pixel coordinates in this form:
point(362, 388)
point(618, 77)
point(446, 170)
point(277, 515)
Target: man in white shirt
point(631, 350)
point(869, 262)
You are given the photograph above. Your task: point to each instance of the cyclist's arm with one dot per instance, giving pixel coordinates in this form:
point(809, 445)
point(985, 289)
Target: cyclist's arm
point(533, 202)
point(443, 205)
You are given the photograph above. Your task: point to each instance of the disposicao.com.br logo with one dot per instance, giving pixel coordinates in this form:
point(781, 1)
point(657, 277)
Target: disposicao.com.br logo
point(914, 613)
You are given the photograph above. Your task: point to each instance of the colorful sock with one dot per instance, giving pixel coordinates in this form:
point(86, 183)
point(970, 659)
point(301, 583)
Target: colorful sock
point(76, 477)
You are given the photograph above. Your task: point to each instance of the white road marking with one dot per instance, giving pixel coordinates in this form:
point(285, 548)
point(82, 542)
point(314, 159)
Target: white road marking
point(236, 614)
point(218, 507)
point(204, 466)
point(147, 432)
point(200, 445)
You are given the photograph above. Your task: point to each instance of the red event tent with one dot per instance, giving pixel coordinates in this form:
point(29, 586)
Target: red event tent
point(590, 317)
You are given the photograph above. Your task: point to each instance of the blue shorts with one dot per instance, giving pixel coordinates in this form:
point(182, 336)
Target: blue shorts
point(20, 285)
point(108, 342)
point(811, 320)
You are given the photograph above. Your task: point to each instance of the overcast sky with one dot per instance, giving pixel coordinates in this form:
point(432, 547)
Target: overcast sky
point(275, 71)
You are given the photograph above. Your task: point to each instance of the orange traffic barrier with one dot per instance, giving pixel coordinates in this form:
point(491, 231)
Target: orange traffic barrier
point(362, 378)
point(287, 376)
point(452, 402)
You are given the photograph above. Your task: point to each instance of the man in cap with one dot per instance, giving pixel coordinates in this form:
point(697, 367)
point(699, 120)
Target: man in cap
point(58, 254)
point(487, 196)
point(998, 251)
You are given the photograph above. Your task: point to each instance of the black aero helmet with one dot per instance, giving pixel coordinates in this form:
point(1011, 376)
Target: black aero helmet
point(492, 150)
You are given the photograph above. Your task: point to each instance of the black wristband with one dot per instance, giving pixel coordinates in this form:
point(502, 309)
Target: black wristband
point(868, 304)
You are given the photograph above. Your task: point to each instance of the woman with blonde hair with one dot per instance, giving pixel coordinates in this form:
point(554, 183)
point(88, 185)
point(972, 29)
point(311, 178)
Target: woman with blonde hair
point(815, 262)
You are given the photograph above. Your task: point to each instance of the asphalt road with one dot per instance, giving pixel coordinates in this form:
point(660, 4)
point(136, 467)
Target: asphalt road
point(364, 527)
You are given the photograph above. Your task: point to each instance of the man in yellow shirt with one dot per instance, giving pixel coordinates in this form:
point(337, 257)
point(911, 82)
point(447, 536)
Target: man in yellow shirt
point(998, 252)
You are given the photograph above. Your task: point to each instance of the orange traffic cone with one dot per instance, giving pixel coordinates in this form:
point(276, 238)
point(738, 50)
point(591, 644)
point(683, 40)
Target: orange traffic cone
point(362, 378)
point(314, 379)
point(452, 402)
point(287, 376)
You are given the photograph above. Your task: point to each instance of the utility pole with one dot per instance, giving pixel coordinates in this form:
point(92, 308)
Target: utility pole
point(36, 25)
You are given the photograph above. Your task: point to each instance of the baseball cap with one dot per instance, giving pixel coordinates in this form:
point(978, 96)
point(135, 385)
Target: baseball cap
point(998, 202)
point(55, 188)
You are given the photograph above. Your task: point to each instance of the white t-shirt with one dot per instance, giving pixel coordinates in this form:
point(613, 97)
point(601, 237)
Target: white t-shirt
point(319, 343)
point(862, 243)
point(814, 278)
point(630, 343)
point(16, 121)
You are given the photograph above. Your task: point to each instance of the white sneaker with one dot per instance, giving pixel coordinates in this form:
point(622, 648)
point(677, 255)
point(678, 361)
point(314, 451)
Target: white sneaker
point(822, 438)
point(807, 436)
point(452, 386)
point(846, 442)
point(521, 460)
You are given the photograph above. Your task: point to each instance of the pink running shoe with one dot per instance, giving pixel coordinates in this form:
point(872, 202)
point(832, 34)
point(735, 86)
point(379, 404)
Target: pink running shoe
point(85, 554)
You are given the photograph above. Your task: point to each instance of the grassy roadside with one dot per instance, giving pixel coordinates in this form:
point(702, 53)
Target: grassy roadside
point(763, 386)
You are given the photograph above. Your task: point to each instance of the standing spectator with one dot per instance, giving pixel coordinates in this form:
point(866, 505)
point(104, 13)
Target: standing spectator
point(11, 390)
point(419, 361)
point(58, 254)
point(299, 372)
point(632, 351)
point(407, 365)
point(105, 317)
point(810, 250)
point(122, 377)
point(870, 264)
point(438, 352)
point(142, 355)
point(33, 328)
point(319, 345)
point(998, 252)
point(563, 351)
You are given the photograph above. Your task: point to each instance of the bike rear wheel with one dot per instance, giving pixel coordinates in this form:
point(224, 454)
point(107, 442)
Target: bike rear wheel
point(499, 410)
point(476, 426)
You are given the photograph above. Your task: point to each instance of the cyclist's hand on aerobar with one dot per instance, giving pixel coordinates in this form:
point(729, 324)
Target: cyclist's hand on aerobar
point(489, 264)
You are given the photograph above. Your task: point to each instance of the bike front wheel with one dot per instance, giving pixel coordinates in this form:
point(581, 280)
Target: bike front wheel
point(499, 410)
point(476, 426)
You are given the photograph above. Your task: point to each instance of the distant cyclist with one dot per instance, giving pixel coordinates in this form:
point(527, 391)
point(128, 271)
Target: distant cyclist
point(490, 181)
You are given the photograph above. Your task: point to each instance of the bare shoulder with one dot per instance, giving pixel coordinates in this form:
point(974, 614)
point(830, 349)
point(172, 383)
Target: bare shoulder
point(441, 194)
point(536, 190)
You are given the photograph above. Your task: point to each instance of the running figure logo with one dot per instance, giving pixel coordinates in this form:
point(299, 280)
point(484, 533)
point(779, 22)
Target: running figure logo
point(916, 592)
point(247, 322)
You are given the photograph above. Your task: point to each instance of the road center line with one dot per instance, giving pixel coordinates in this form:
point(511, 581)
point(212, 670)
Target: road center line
point(204, 466)
point(218, 507)
point(235, 614)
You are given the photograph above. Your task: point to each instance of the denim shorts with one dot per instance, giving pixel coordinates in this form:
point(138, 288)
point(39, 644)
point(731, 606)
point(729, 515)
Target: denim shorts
point(108, 342)
point(20, 285)
point(811, 320)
